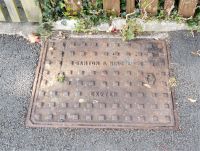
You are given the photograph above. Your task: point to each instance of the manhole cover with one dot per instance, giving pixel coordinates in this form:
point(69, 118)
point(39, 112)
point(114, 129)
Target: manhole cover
point(102, 82)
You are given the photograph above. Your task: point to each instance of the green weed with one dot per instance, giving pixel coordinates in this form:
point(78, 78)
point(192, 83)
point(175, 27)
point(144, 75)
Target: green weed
point(130, 30)
point(61, 77)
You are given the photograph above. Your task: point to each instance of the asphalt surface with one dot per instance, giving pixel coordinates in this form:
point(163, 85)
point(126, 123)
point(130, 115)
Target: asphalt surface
point(18, 60)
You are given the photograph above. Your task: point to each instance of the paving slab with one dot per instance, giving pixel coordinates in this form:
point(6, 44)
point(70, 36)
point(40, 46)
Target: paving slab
point(18, 59)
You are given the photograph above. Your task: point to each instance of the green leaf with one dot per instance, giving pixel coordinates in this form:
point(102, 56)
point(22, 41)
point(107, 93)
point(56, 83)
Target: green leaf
point(62, 5)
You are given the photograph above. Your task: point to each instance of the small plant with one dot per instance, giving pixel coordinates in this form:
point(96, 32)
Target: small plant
point(130, 30)
point(84, 26)
point(123, 8)
point(175, 17)
point(194, 23)
point(91, 15)
point(81, 26)
point(69, 10)
point(44, 30)
point(52, 10)
point(61, 77)
point(172, 82)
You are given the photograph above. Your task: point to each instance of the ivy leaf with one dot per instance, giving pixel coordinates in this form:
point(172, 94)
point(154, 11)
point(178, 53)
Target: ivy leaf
point(130, 35)
point(62, 5)
point(69, 8)
point(66, 14)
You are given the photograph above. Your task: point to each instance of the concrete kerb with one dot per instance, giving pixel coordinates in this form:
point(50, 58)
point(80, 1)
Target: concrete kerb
point(25, 29)
point(118, 23)
point(22, 29)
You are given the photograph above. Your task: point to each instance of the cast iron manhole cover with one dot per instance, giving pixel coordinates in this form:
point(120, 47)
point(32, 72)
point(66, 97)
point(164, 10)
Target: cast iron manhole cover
point(103, 83)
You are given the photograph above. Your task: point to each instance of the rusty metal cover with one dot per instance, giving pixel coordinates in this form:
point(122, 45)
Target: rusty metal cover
point(102, 83)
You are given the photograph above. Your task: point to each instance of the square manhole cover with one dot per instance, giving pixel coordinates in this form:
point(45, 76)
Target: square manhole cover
point(102, 83)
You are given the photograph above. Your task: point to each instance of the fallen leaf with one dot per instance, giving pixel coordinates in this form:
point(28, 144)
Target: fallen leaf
point(192, 32)
point(192, 100)
point(60, 33)
point(110, 29)
point(196, 53)
point(50, 48)
point(114, 30)
point(156, 38)
point(82, 100)
point(33, 38)
point(172, 82)
point(147, 85)
point(95, 101)
point(78, 3)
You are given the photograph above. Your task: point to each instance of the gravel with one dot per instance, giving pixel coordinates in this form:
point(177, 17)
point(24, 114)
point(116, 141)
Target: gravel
point(18, 60)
